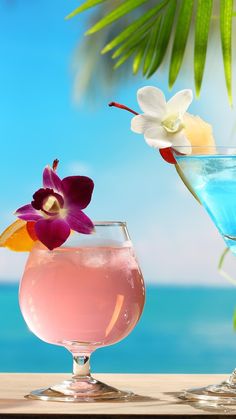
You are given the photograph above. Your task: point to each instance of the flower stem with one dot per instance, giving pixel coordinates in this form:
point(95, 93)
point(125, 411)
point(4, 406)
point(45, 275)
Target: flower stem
point(118, 105)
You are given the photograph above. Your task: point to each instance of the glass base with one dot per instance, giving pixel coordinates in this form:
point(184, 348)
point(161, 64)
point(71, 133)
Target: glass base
point(82, 390)
point(221, 394)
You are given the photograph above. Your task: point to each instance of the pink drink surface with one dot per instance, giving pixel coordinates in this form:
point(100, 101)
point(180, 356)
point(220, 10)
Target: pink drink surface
point(91, 295)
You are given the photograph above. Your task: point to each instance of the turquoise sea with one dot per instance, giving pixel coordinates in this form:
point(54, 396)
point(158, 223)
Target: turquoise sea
point(182, 330)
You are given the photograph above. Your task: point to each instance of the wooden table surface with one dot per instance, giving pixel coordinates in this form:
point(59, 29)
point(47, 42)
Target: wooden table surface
point(163, 390)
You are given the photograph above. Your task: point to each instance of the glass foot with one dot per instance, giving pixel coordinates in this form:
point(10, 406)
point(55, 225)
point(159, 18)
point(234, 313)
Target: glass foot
point(82, 390)
point(221, 394)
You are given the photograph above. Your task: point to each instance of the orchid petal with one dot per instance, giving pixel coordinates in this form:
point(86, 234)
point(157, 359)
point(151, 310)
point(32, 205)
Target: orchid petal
point(152, 101)
point(52, 233)
point(158, 137)
point(42, 194)
point(77, 190)
point(180, 102)
point(78, 221)
point(28, 213)
point(140, 123)
point(51, 180)
point(181, 144)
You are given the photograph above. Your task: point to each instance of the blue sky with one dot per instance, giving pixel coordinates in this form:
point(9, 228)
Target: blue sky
point(39, 121)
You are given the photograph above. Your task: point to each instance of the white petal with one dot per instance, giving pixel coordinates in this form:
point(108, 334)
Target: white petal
point(180, 102)
point(140, 123)
point(157, 138)
point(181, 143)
point(152, 101)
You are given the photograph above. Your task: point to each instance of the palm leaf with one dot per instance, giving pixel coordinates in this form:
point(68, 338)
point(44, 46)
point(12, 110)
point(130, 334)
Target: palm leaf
point(151, 45)
point(116, 14)
point(203, 20)
point(93, 73)
point(164, 36)
point(180, 40)
point(124, 58)
point(139, 56)
point(133, 27)
point(87, 5)
point(128, 22)
point(226, 14)
point(135, 39)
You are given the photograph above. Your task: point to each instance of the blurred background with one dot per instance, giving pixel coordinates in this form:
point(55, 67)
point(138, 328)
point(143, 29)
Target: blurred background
point(55, 90)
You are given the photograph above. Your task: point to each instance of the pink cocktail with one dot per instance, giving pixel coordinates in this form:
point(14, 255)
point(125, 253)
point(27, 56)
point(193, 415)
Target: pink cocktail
point(84, 295)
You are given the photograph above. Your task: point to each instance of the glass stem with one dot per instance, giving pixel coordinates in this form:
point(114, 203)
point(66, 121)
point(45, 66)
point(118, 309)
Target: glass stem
point(81, 366)
point(232, 379)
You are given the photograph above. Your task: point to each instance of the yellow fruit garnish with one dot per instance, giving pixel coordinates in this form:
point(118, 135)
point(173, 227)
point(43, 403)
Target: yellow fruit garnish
point(199, 133)
point(16, 237)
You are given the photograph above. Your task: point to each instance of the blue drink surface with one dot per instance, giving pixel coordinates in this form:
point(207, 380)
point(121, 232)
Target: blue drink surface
point(213, 179)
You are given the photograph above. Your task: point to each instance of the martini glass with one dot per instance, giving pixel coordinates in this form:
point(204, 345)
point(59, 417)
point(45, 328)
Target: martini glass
point(210, 173)
point(87, 294)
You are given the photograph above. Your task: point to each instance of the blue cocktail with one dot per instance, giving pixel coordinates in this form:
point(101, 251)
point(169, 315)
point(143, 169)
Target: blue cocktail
point(210, 173)
point(213, 179)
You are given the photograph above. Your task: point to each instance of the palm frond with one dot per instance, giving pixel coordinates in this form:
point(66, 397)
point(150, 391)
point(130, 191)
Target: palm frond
point(124, 58)
point(85, 6)
point(93, 73)
point(151, 46)
point(144, 29)
point(226, 15)
point(180, 39)
point(203, 19)
point(133, 27)
point(116, 14)
point(134, 39)
point(163, 39)
point(138, 57)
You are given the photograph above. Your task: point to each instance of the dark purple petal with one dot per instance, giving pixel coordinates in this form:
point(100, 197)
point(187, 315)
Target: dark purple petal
point(41, 196)
point(77, 190)
point(78, 221)
point(28, 213)
point(52, 233)
point(51, 180)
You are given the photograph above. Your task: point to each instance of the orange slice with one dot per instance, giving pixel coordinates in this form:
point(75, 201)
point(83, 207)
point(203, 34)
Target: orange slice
point(18, 237)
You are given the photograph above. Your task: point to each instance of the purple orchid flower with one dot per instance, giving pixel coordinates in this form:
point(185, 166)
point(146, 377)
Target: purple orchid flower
point(57, 208)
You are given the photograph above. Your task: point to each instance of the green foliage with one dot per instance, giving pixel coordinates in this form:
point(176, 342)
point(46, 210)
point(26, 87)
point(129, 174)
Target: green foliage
point(226, 15)
point(133, 27)
point(140, 32)
point(151, 45)
point(87, 5)
point(180, 39)
point(163, 39)
point(116, 14)
point(203, 20)
point(138, 57)
point(124, 58)
point(234, 320)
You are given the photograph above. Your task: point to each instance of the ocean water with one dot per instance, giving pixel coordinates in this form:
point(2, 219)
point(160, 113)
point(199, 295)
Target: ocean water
point(182, 330)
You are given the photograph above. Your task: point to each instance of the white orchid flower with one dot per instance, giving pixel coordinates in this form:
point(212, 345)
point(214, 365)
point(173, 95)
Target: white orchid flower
point(162, 122)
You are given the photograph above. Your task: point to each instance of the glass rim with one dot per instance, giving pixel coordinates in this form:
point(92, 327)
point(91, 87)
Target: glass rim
point(205, 146)
point(217, 150)
point(109, 223)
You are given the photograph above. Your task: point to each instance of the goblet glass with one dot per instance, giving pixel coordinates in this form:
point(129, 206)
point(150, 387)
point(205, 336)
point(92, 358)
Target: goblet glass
point(87, 294)
point(210, 172)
